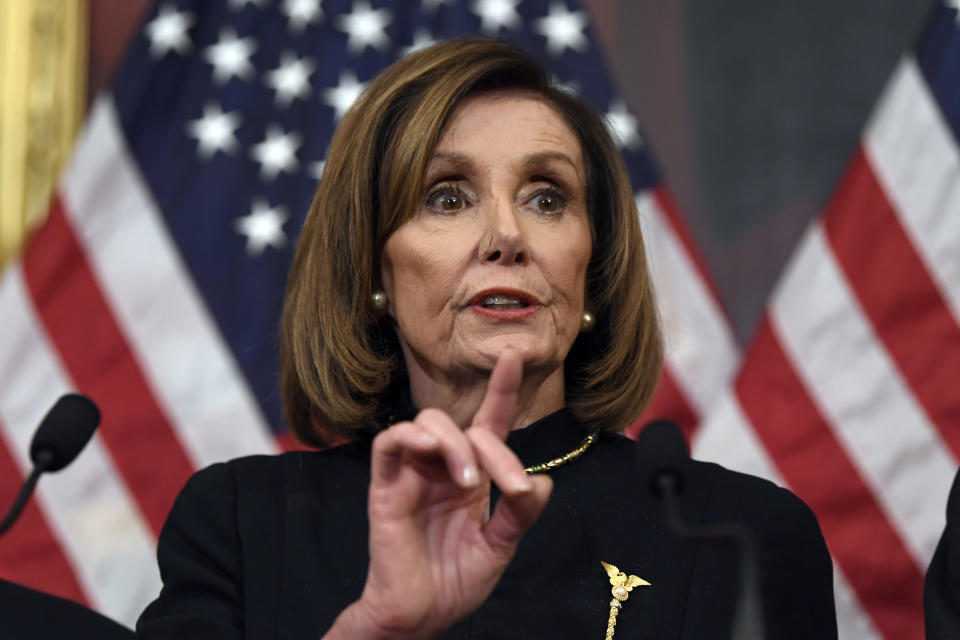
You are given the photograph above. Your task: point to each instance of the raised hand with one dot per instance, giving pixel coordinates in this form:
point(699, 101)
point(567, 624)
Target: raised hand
point(435, 551)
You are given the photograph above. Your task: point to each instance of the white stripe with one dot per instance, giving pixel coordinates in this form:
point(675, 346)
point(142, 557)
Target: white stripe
point(700, 350)
point(852, 622)
point(92, 515)
point(150, 292)
point(728, 438)
point(914, 156)
point(858, 389)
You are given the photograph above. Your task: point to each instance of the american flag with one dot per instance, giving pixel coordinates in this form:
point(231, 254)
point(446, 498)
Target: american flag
point(847, 392)
point(155, 287)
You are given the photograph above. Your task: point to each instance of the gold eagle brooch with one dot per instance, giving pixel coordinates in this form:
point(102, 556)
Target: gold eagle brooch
point(622, 585)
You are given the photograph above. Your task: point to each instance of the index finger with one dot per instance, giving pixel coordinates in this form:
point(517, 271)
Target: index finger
point(499, 404)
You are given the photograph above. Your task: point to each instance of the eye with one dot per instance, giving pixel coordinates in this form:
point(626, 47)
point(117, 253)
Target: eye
point(547, 201)
point(447, 199)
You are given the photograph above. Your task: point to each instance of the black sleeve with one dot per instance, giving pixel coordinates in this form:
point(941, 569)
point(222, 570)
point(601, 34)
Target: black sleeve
point(796, 581)
point(941, 588)
point(29, 614)
point(199, 556)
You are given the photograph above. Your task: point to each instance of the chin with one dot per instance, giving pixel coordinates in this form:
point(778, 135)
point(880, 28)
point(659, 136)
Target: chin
point(532, 349)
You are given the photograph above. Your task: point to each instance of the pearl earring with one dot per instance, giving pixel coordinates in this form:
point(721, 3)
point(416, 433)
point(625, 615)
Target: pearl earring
point(378, 300)
point(587, 322)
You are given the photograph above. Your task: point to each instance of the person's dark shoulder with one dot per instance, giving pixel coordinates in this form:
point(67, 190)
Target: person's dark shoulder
point(748, 497)
point(711, 493)
point(941, 587)
point(796, 572)
point(223, 539)
point(716, 491)
point(265, 472)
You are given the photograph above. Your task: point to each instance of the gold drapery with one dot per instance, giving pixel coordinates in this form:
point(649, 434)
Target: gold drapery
point(43, 78)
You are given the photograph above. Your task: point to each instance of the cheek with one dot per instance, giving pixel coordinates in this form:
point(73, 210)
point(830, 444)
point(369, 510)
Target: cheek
point(414, 281)
point(572, 261)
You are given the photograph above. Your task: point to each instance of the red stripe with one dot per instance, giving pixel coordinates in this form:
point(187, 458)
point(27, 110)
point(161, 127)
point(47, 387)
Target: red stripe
point(816, 467)
point(675, 218)
point(286, 442)
point(97, 357)
point(29, 554)
point(897, 294)
point(668, 403)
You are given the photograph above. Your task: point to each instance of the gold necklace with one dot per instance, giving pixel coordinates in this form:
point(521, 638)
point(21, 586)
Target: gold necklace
point(622, 583)
point(569, 456)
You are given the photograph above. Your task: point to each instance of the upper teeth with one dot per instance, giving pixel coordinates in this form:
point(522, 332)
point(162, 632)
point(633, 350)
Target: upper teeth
point(499, 298)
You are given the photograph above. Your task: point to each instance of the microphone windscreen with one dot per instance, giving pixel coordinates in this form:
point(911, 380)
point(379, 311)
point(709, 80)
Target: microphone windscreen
point(662, 449)
point(663, 440)
point(64, 431)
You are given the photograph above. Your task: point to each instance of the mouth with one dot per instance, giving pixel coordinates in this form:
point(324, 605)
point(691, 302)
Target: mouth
point(505, 304)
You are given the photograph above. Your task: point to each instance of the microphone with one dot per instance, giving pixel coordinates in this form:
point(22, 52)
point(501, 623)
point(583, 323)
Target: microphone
point(62, 434)
point(663, 449)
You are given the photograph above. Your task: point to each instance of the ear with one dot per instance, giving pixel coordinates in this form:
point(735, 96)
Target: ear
point(386, 286)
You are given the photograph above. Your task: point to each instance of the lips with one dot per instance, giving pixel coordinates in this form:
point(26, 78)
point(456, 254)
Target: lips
point(505, 304)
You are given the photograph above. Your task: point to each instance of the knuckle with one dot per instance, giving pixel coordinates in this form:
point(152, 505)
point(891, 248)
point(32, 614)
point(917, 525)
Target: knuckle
point(431, 416)
point(401, 428)
point(391, 434)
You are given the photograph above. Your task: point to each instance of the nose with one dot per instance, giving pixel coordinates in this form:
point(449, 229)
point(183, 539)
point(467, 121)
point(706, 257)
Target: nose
point(502, 241)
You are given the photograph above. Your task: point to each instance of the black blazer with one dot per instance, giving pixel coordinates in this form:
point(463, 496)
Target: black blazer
point(941, 587)
point(275, 547)
point(27, 614)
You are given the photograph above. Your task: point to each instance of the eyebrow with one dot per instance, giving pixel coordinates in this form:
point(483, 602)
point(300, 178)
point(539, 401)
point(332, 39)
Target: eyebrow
point(459, 162)
point(462, 163)
point(545, 158)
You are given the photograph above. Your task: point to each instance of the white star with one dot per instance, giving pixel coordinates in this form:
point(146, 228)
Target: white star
point(315, 169)
point(430, 6)
point(238, 5)
point(563, 29)
point(215, 131)
point(955, 4)
point(421, 40)
point(277, 152)
point(365, 26)
point(300, 13)
point(230, 56)
point(264, 226)
point(497, 14)
point(291, 79)
point(623, 126)
point(342, 96)
point(169, 31)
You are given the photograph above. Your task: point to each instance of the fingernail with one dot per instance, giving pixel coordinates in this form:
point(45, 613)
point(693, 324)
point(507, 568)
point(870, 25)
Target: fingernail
point(522, 484)
point(470, 476)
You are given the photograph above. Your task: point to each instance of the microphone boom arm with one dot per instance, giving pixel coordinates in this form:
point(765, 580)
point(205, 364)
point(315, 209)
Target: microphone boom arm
point(748, 618)
point(62, 434)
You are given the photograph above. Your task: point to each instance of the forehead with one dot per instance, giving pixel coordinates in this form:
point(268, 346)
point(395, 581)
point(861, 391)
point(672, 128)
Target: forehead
point(511, 123)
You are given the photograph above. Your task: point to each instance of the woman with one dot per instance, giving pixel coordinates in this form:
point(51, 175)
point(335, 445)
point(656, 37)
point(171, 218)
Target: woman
point(472, 250)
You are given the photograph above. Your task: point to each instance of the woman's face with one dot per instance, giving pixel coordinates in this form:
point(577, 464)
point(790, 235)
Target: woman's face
point(497, 253)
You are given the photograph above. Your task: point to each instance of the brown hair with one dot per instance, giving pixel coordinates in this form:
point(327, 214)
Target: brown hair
point(339, 364)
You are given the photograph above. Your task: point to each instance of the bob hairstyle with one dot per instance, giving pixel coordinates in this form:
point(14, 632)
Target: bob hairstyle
point(340, 364)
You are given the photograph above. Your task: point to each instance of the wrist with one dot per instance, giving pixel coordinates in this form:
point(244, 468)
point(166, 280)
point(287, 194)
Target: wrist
point(357, 622)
